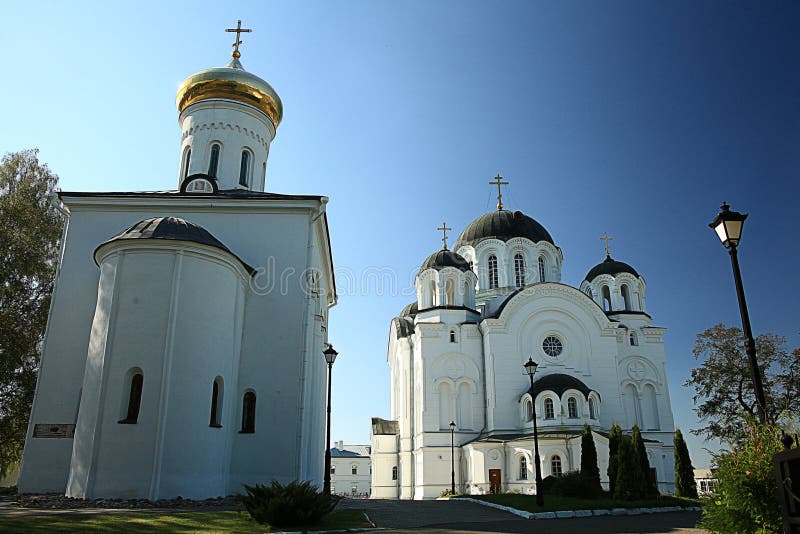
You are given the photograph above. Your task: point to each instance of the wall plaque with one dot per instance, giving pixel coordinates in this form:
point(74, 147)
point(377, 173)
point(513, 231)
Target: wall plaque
point(53, 431)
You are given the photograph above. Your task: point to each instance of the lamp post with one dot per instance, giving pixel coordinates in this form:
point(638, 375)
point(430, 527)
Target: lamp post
point(330, 357)
point(452, 459)
point(728, 225)
point(530, 370)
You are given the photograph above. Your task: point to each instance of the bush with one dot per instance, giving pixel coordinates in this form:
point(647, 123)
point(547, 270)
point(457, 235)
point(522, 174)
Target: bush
point(685, 485)
point(296, 503)
point(614, 437)
point(574, 485)
point(548, 482)
point(629, 475)
point(447, 493)
point(589, 468)
point(746, 497)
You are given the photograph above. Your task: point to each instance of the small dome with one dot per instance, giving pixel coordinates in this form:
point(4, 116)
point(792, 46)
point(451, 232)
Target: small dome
point(445, 258)
point(172, 228)
point(612, 267)
point(503, 225)
point(410, 310)
point(231, 82)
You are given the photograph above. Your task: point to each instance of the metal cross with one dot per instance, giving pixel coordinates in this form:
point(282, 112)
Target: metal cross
point(607, 239)
point(238, 30)
point(498, 182)
point(444, 228)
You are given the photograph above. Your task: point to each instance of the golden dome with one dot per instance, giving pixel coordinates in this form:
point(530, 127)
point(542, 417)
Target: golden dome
point(234, 83)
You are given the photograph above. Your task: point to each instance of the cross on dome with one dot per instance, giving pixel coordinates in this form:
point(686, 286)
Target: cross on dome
point(238, 30)
point(606, 238)
point(444, 228)
point(498, 182)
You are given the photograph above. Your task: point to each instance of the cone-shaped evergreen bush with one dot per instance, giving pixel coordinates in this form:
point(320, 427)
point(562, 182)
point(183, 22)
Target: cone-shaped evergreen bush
point(614, 436)
point(590, 472)
point(685, 486)
point(649, 486)
point(629, 474)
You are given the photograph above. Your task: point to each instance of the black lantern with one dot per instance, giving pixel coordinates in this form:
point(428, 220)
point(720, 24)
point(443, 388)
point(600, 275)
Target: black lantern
point(728, 225)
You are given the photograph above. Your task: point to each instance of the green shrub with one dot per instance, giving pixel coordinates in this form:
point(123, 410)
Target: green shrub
point(547, 483)
point(447, 493)
point(589, 468)
point(649, 486)
point(629, 474)
point(296, 503)
point(746, 497)
point(685, 485)
point(614, 437)
point(574, 485)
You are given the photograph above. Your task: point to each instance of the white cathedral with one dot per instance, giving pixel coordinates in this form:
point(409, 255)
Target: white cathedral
point(456, 357)
point(183, 352)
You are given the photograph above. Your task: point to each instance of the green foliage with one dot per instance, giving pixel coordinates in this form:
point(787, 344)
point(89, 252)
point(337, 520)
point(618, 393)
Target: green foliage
point(614, 437)
point(723, 383)
point(629, 475)
point(746, 497)
point(590, 472)
point(447, 493)
point(573, 484)
point(29, 233)
point(547, 484)
point(685, 485)
point(649, 487)
point(296, 503)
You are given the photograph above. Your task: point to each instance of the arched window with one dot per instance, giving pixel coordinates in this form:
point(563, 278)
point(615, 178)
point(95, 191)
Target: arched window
point(641, 301)
point(572, 408)
point(626, 297)
point(199, 185)
point(523, 468)
point(244, 169)
point(264, 172)
point(394, 473)
point(606, 298)
point(589, 292)
point(464, 406)
point(555, 466)
point(333, 469)
point(249, 413)
point(493, 281)
point(187, 157)
point(450, 293)
point(632, 406)
point(592, 412)
point(633, 339)
point(519, 270)
point(216, 403)
point(445, 405)
point(213, 161)
point(452, 336)
point(354, 469)
point(528, 410)
point(549, 413)
point(134, 397)
point(541, 269)
point(650, 408)
point(433, 294)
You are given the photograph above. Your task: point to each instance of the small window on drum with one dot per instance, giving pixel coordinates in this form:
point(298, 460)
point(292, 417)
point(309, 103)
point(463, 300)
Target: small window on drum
point(552, 346)
point(199, 185)
point(244, 169)
point(213, 160)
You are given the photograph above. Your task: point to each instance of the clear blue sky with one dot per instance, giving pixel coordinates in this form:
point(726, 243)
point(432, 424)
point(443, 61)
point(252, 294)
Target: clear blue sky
point(635, 118)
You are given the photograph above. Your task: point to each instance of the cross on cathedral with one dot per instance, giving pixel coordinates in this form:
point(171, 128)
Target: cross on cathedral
point(498, 182)
point(238, 30)
point(444, 228)
point(607, 239)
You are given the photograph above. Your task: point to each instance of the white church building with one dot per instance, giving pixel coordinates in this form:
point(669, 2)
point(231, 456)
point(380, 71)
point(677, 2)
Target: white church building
point(456, 354)
point(183, 352)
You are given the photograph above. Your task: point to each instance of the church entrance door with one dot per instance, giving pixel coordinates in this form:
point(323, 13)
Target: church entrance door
point(494, 481)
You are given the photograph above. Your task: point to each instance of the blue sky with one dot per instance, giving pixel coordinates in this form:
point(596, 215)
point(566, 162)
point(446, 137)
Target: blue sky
point(632, 118)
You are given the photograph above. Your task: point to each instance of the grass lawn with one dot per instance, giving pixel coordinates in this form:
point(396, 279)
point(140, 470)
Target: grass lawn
point(238, 522)
point(553, 503)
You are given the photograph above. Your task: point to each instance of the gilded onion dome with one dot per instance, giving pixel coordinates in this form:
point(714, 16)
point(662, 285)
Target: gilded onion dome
point(231, 82)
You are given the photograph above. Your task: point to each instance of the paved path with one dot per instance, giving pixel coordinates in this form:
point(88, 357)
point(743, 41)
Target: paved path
point(464, 517)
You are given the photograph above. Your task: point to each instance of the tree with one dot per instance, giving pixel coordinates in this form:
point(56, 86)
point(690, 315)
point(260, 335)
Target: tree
point(629, 475)
point(590, 472)
point(649, 487)
point(723, 385)
point(29, 235)
point(685, 486)
point(614, 437)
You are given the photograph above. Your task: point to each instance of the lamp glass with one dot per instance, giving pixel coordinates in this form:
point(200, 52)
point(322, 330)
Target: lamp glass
point(452, 425)
point(330, 354)
point(530, 366)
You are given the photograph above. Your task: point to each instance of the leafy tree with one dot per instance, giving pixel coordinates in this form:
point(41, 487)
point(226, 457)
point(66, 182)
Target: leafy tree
point(723, 383)
point(590, 472)
point(629, 475)
point(614, 437)
point(649, 487)
point(29, 234)
point(685, 485)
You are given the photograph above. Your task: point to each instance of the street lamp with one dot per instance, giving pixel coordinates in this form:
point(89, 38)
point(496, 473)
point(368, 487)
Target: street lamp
point(728, 225)
point(452, 459)
point(530, 370)
point(330, 357)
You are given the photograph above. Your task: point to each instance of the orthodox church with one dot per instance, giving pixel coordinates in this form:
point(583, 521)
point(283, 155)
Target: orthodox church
point(458, 382)
point(183, 352)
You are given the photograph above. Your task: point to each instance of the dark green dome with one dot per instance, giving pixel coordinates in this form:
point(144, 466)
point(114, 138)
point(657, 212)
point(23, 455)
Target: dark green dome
point(445, 258)
point(612, 267)
point(503, 225)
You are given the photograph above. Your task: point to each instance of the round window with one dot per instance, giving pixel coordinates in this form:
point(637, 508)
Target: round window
point(552, 346)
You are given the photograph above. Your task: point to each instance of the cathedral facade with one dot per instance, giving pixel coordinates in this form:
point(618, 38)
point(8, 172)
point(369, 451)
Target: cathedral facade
point(183, 352)
point(457, 354)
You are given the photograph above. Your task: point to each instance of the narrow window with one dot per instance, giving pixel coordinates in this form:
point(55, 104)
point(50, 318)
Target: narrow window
point(450, 293)
point(134, 399)
point(244, 167)
point(549, 413)
point(264, 172)
point(606, 298)
point(213, 161)
point(452, 336)
point(572, 408)
point(633, 340)
point(354, 469)
point(555, 465)
point(353, 489)
point(589, 292)
point(541, 269)
point(394, 473)
point(434, 300)
point(528, 411)
point(626, 298)
point(493, 282)
point(333, 469)
point(216, 404)
point(249, 413)
point(187, 158)
point(519, 270)
point(523, 468)
point(592, 413)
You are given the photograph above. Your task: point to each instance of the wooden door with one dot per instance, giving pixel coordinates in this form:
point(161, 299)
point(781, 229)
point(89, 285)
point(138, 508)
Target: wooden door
point(494, 481)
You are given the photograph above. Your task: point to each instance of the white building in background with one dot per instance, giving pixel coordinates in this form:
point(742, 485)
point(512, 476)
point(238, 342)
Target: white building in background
point(351, 470)
point(705, 480)
point(183, 353)
point(457, 353)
